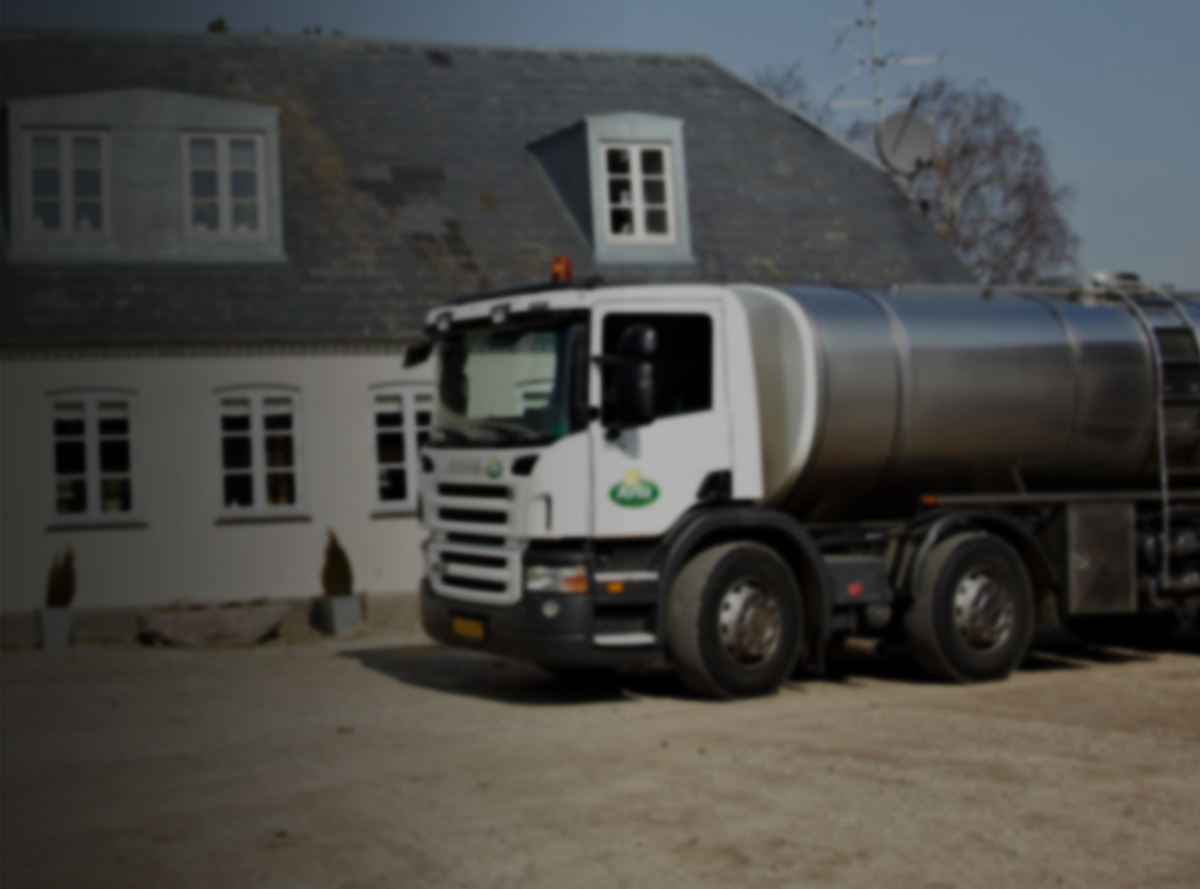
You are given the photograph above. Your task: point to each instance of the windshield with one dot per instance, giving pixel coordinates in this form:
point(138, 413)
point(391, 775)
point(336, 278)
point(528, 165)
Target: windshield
point(508, 384)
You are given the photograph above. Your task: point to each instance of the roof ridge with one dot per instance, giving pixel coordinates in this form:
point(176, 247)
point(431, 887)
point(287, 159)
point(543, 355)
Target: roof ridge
point(24, 31)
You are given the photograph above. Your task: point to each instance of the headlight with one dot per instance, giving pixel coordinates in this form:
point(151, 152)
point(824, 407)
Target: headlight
point(555, 579)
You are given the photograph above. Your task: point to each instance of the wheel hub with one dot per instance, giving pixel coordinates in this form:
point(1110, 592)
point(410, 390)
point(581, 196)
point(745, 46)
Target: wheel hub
point(983, 610)
point(749, 622)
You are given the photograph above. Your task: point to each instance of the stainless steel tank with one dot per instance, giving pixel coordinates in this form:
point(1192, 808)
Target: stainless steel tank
point(869, 400)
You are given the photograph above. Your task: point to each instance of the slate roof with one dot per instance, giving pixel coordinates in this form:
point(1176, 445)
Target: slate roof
point(406, 180)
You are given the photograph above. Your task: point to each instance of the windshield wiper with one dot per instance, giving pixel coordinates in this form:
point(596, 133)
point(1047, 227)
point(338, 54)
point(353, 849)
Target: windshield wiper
point(509, 433)
point(451, 433)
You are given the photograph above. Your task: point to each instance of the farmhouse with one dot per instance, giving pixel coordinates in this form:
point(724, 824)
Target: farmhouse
point(216, 248)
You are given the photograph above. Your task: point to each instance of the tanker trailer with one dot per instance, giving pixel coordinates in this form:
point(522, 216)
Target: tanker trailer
point(731, 479)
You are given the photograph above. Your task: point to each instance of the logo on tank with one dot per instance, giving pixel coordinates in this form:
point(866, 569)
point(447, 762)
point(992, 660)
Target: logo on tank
point(633, 491)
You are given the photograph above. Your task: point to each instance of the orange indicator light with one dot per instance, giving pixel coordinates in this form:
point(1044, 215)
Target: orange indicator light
point(616, 587)
point(929, 500)
point(575, 582)
point(560, 270)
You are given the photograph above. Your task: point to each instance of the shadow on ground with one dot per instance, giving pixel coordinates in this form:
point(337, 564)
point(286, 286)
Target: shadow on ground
point(499, 679)
point(511, 682)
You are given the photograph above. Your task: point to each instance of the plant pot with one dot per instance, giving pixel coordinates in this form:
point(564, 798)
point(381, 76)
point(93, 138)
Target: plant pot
point(55, 627)
point(339, 614)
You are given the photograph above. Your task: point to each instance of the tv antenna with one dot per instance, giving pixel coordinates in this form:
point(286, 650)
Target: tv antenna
point(875, 62)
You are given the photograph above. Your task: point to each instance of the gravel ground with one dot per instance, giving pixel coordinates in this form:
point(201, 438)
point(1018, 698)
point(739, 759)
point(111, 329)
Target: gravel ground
point(384, 761)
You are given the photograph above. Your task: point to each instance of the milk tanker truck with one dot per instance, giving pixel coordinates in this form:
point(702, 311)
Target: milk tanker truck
point(733, 479)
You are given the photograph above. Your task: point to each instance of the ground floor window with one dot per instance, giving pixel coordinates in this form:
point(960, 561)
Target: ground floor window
point(93, 459)
point(260, 452)
point(402, 417)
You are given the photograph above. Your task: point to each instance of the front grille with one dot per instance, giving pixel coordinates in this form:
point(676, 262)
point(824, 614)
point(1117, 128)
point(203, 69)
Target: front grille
point(453, 558)
point(473, 516)
point(471, 557)
point(474, 583)
point(485, 492)
point(475, 539)
point(473, 573)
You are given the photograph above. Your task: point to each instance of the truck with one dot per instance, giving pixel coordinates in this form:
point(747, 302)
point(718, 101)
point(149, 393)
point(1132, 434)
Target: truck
point(734, 479)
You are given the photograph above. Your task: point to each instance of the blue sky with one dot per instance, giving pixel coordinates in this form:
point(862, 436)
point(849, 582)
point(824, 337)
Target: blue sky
point(1110, 84)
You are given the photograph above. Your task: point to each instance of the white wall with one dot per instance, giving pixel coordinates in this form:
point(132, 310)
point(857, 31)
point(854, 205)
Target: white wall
point(183, 553)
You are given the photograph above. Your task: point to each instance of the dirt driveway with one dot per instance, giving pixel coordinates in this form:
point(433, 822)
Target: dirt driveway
point(383, 763)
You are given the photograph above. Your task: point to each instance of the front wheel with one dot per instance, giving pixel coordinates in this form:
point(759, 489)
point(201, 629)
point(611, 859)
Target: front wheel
point(973, 615)
point(735, 621)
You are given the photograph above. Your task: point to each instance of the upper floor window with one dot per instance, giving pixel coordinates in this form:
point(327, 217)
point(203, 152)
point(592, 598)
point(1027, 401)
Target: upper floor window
point(638, 193)
point(260, 453)
point(402, 417)
point(224, 184)
point(67, 183)
point(141, 176)
point(92, 433)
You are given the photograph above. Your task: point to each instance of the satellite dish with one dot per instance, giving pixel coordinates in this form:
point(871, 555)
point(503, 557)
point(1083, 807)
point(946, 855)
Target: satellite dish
point(905, 142)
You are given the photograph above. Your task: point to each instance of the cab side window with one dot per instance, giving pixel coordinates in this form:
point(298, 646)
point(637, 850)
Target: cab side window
point(682, 362)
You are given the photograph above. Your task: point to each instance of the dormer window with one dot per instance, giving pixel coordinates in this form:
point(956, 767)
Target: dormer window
point(639, 193)
point(225, 186)
point(67, 183)
point(623, 179)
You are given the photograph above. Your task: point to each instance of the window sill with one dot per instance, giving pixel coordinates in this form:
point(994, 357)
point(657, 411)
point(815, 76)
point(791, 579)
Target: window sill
point(261, 518)
point(124, 523)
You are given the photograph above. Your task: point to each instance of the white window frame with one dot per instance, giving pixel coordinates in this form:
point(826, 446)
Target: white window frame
point(258, 470)
point(409, 392)
point(637, 183)
point(225, 201)
point(66, 186)
point(92, 476)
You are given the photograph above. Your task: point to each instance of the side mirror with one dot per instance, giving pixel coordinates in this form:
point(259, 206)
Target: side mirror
point(635, 393)
point(639, 341)
point(633, 378)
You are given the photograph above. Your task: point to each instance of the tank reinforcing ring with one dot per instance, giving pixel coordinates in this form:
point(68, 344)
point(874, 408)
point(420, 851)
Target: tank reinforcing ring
point(749, 622)
point(983, 611)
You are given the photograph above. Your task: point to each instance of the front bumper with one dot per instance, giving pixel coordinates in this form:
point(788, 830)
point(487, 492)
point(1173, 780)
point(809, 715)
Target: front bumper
point(522, 631)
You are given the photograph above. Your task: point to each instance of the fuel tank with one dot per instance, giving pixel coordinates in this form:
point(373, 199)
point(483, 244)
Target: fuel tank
point(869, 400)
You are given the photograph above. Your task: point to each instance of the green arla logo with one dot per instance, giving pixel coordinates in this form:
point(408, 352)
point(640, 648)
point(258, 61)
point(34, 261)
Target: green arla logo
point(634, 491)
point(494, 468)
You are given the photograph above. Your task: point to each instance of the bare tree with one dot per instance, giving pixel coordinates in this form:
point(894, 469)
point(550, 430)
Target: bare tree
point(989, 190)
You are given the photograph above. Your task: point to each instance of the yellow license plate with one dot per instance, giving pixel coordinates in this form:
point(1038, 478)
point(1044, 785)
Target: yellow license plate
point(468, 628)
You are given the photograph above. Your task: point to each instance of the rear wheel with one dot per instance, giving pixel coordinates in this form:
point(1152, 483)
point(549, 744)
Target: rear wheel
point(735, 621)
point(972, 619)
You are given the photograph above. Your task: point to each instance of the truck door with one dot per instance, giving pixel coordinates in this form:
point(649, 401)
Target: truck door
point(647, 477)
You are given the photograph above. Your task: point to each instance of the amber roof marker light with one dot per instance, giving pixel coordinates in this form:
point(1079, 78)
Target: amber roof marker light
point(560, 270)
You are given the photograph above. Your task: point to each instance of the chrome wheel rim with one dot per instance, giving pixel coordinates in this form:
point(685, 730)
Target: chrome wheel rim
point(983, 610)
point(749, 622)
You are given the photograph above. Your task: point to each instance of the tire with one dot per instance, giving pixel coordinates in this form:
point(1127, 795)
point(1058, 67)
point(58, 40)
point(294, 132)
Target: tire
point(973, 616)
point(735, 621)
point(1148, 631)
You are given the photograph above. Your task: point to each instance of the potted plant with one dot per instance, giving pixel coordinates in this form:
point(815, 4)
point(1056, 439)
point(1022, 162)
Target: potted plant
point(54, 620)
point(339, 607)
